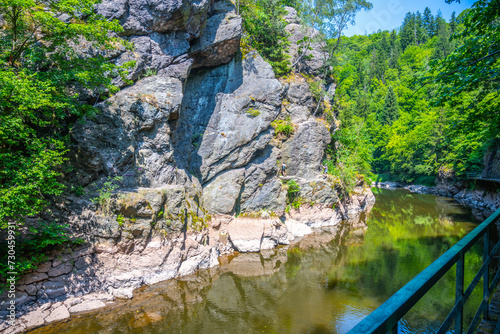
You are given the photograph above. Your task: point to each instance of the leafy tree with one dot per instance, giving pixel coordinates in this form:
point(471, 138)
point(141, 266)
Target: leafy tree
point(420, 33)
point(453, 23)
point(394, 49)
point(443, 46)
point(331, 18)
point(384, 45)
point(48, 51)
point(471, 71)
point(379, 64)
point(265, 31)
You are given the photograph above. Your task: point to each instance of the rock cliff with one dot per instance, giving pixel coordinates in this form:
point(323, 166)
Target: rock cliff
point(194, 145)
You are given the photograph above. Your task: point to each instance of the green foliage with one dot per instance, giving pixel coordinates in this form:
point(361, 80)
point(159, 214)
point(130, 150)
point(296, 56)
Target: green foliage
point(32, 248)
point(292, 192)
point(316, 89)
point(149, 72)
point(330, 18)
point(253, 112)
point(265, 31)
point(283, 128)
point(44, 62)
point(412, 131)
point(351, 154)
point(78, 190)
point(297, 203)
point(120, 219)
point(390, 111)
point(104, 198)
point(471, 71)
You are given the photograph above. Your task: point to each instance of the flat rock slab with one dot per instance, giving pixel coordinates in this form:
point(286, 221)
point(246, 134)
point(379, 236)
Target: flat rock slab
point(246, 235)
point(59, 313)
point(61, 269)
point(87, 305)
point(32, 278)
point(296, 229)
point(35, 318)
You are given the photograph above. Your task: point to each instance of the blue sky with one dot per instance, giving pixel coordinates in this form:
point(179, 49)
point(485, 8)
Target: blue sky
point(389, 14)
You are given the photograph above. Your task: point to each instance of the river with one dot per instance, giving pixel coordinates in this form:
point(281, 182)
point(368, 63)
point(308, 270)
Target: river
point(324, 283)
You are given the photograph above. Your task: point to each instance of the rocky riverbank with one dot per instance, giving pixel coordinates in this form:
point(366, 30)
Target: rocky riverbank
point(88, 278)
point(483, 200)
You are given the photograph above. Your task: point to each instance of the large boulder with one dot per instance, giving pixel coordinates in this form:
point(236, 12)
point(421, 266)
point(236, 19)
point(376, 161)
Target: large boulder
point(253, 235)
point(220, 38)
point(221, 195)
point(305, 150)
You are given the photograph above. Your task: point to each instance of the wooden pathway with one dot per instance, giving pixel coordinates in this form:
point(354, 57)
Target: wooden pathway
point(493, 325)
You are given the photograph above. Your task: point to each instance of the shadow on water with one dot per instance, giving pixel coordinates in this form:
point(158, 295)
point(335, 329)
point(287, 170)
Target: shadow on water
point(324, 283)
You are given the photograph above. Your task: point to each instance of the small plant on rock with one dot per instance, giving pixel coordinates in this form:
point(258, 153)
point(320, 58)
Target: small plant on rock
point(293, 191)
point(283, 128)
point(149, 72)
point(78, 190)
point(104, 198)
point(253, 112)
point(120, 219)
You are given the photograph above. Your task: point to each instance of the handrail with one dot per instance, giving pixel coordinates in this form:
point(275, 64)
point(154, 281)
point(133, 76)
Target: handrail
point(473, 175)
point(386, 317)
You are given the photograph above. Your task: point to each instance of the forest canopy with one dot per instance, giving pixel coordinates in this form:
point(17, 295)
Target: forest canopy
point(426, 94)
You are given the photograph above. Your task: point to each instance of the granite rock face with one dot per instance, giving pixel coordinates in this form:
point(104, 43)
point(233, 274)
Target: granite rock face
point(172, 36)
point(204, 122)
point(219, 39)
point(216, 130)
point(131, 135)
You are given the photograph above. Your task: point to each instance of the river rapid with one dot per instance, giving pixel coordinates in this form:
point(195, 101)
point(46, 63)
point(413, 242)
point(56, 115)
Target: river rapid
point(323, 283)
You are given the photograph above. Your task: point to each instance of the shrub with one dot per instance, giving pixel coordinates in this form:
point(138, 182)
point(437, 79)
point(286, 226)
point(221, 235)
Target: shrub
point(32, 249)
point(265, 31)
point(253, 112)
point(297, 203)
point(78, 190)
point(120, 219)
point(149, 72)
point(293, 191)
point(104, 198)
point(283, 128)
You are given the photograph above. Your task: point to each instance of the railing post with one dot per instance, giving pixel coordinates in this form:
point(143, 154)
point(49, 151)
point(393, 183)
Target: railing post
point(459, 291)
point(486, 276)
point(395, 328)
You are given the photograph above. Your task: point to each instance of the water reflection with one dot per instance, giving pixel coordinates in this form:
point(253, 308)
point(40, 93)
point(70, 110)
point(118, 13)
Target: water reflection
point(324, 283)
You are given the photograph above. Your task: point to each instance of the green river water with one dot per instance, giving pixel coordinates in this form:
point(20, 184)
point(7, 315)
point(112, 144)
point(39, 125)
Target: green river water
point(324, 283)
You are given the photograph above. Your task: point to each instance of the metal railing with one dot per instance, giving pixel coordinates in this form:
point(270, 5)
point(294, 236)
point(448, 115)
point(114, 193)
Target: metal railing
point(473, 175)
point(386, 318)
